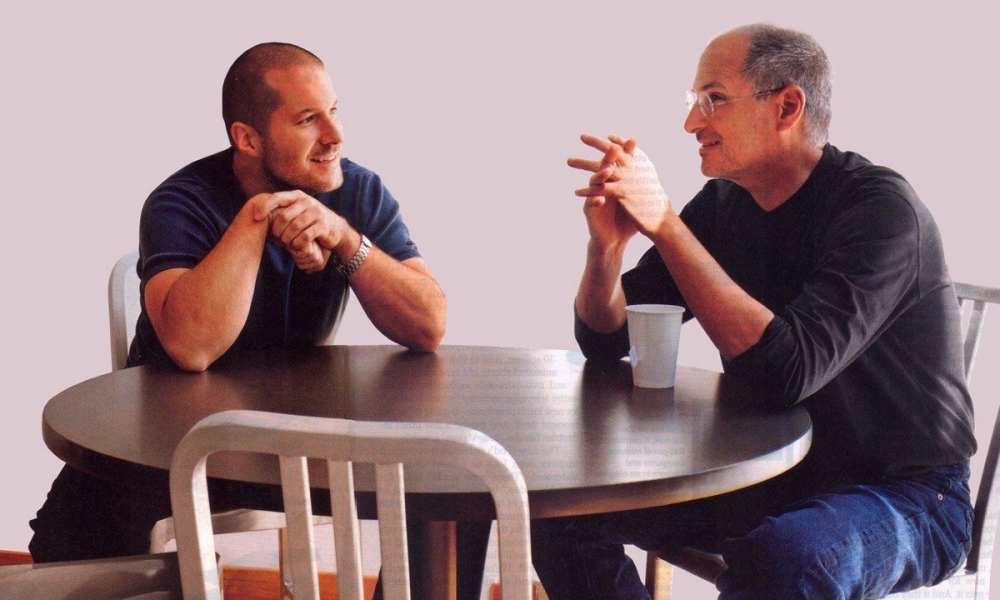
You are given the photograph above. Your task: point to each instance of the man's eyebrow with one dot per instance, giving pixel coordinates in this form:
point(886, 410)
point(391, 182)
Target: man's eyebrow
point(308, 110)
point(710, 84)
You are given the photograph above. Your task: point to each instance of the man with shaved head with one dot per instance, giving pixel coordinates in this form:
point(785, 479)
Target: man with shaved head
point(254, 247)
point(821, 279)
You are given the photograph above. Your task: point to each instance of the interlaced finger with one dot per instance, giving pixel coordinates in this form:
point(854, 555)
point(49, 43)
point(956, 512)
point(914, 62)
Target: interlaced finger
point(586, 164)
point(627, 144)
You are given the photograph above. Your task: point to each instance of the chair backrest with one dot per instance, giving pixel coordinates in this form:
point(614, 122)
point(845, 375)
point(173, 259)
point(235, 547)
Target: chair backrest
point(123, 306)
point(341, 442)
point(985, 521)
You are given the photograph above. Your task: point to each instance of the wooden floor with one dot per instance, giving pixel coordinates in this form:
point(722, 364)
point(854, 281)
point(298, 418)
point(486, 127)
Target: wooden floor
point(237, 583)
point(8, 557)
point(262, 584)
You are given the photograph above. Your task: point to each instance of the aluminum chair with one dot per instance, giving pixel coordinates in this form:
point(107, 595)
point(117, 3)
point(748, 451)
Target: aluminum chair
point(342, 443)
point(152, 577)
point(123, 307)
point(971, 581)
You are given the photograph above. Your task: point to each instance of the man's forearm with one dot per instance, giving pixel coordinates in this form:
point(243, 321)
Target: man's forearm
point(402, 300)
point(198, 313)
point(731, 318)
point(600, 301)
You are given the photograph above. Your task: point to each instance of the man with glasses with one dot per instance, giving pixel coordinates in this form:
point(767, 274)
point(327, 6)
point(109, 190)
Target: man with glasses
point(821, 279)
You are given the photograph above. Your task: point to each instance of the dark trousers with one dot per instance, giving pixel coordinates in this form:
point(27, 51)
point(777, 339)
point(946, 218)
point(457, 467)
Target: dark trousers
point(852, 541)
point(85, 517)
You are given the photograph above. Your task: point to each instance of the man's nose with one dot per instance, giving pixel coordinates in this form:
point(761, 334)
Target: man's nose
point(333, 131)
point(695, 120)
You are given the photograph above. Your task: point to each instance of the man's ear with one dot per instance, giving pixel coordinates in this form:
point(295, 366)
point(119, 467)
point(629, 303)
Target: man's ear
point(792, 106)
point(246, 139)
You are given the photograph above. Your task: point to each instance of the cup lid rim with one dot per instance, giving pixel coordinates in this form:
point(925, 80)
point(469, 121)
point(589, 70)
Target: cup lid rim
point(654, 308)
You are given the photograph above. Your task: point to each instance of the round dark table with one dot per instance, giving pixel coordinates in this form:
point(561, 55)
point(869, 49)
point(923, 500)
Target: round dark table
point(585, 439)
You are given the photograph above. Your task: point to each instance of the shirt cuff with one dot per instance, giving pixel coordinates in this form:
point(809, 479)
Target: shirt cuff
point(600, 346)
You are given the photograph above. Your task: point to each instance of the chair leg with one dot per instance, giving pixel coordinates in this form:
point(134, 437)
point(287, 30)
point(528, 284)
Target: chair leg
point(284, 572)
point(162, 532)
point(659, 577)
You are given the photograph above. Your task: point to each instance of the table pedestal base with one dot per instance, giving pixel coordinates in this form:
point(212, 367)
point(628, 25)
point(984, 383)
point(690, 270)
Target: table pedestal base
point(440, 562)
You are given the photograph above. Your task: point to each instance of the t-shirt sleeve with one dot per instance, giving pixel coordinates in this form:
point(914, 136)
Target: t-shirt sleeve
point(600, 346)
point(377, 215)
point(176, 230)
point(867, 267)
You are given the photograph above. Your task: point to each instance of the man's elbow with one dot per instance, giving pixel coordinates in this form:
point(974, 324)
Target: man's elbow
point(428, 337)
point(193, 364)
point(427, 345)
point(188, 360)
point(601, 353)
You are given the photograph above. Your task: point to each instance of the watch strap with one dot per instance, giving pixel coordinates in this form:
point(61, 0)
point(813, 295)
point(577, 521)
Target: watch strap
point(359, 257)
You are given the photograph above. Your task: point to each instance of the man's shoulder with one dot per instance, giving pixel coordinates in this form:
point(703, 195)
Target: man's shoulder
point(362, 189)
point(851, 172)
point(213, 171)
point(205, 189)
point(358, 176)
point(870, 197)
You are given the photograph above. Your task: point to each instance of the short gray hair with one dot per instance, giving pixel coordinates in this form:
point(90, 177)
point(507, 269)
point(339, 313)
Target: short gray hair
point(778, 57)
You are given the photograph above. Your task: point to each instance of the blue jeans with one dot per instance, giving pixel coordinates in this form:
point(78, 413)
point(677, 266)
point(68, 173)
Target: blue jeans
point(849, 542)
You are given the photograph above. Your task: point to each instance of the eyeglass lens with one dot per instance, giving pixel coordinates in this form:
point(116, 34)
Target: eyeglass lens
point(703, 101)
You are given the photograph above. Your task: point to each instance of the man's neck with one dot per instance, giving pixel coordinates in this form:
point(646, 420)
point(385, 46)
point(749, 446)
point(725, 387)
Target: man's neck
point(250, 175)
point(780, 179)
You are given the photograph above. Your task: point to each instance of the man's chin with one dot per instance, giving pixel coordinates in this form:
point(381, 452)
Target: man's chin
point(334, 184)
point(709, 169)
point(312, 188)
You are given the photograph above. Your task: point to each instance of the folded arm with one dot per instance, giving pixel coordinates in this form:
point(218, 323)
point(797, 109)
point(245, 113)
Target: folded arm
point(199, 312)
point(401, 298)
point(866, 277)
point(733, 320)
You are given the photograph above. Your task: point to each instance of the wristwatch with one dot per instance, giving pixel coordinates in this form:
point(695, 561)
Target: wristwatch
point(358, 258)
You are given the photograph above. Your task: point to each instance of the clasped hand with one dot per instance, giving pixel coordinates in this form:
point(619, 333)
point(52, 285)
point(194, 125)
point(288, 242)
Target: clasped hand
point(307, 229)
point(624, 195)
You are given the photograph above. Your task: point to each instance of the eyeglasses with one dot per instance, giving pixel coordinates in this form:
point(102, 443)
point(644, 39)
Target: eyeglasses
point(707, 106)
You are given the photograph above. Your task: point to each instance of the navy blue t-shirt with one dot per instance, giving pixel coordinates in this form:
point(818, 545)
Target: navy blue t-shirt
point(184, 218)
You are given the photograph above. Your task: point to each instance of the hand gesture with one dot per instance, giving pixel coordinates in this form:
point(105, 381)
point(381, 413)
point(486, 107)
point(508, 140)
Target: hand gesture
point(307, 229)
point(627, 180)
point(607, 222)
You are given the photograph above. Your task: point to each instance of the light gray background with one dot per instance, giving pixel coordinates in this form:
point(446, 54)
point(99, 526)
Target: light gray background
point(468, 113)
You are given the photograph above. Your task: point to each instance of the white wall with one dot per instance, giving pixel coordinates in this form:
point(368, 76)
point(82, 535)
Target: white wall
point(468, 114)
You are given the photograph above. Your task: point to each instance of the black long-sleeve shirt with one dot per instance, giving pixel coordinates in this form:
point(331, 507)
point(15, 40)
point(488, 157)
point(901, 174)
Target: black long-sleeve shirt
point(866, 330)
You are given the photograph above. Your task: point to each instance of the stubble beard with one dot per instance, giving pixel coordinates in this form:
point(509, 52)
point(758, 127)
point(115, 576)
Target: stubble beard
point(276, 184)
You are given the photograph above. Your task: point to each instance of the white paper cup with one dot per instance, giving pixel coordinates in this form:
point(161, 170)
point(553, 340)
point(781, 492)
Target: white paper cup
point(655, 333)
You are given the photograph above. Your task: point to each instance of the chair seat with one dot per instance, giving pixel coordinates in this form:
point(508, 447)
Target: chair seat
point(233, 521)
point(147, 577)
